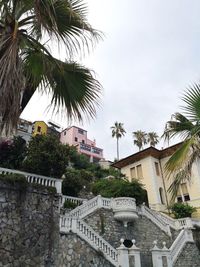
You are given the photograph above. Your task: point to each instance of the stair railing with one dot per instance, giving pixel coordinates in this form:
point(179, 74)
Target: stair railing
point(78, 226)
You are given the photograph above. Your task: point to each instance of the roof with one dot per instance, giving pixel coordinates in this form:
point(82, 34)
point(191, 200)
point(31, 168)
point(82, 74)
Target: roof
point(150, 151)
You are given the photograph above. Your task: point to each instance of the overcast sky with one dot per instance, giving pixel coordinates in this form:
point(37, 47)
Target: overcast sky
point(149, 56)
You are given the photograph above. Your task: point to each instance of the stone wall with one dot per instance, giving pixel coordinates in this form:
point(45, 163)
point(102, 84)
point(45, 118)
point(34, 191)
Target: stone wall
point(189, 256)
point(29, 226)
point(142, 230)
point(75, 252)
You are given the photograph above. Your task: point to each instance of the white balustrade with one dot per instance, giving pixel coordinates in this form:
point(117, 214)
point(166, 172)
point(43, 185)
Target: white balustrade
point(68, 223)
point(38, 179)
point(184, 223)
point(90, 206)
point(150, 214)
point(171, 254)
point(166, 219)
point(75, 200)
point(184, 236)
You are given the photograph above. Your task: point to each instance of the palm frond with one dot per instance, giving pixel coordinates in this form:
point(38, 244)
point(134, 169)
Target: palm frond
point(178, 126)
point(192, 100)
point(180, 156)
point(66, 21)
point(72, 86)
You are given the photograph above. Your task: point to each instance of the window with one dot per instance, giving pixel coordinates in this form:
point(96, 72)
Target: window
point(157, 168)
point(38, 129)
point(133, 173)
point(185, 193)
point(161, 191)
point(64, 132)
point(139, 171)
point(80, 131)
point(83, 141)
point(76, 139)
point(182, 194)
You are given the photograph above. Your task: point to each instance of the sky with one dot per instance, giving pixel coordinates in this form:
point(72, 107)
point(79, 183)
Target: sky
point(149, 56)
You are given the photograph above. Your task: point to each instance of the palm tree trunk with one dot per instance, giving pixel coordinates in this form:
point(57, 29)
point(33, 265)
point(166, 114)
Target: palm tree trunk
point(117, 148)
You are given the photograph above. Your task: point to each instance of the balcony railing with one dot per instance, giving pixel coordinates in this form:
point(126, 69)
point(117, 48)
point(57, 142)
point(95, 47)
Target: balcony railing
point(90, 148)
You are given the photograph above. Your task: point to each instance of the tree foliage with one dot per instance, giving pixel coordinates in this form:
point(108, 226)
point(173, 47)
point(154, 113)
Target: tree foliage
point(152, 139)
point(12, 153)
point(120, 188)
point(139, 139)
point(118, 131)
point(27, 29)
point(181, 210)
point(75, 181)
point(186, 126)
point(46, 156)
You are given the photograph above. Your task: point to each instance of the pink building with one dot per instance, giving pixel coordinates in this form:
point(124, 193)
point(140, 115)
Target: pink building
point(78, 137)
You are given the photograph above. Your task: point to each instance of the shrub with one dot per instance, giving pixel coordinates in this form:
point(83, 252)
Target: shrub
point(181, 210)
point(46, 156)
point(74, 182)
point(69, 205)
point(120, 188)
point(14, 179)
point(12, 153)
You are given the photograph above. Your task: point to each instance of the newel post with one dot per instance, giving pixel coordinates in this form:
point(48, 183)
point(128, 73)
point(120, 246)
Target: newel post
point(123, 258)
point(58, 185)
point(99, 201)
point(134, 253)
point(161, 257)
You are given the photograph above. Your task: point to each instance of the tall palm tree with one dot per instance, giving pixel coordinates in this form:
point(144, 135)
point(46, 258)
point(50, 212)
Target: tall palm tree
point(152, 139)
point(26, 62)
point(118, 131)
point(140, 139)
point(186, 126)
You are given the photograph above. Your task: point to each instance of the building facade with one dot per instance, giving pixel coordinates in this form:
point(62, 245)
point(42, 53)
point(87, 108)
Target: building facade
point(75, 136)
point(24, 129)
point(148, 166)
point(39, 127)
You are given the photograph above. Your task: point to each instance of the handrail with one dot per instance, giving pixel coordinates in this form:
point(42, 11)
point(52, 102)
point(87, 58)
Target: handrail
point(75, 200)
point(176, 224)
point(184, 236)
point(166, 219)
point(35, 178)
point(90, 206)
point(155, 219)
point(68, 223)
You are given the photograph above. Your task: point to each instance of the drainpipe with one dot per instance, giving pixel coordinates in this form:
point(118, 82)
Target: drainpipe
point(162, 176)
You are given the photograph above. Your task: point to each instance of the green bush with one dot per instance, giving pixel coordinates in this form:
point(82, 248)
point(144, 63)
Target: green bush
point(74, 182)
point(14, 179)
point(120, 188)
point(69, 205)
point(181, 210)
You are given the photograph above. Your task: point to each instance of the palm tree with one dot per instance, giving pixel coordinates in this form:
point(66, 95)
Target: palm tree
point(118, 131)
point(140, 139)
point(152, 139)
point(186, 126)
point(26, 62)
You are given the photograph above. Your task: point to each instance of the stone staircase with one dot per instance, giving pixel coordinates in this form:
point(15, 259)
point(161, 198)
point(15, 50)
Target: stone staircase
point(78, 226)
point(75, 222)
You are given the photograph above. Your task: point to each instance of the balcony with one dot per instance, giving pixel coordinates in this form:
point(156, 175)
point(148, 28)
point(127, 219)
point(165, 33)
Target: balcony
point(90, 149)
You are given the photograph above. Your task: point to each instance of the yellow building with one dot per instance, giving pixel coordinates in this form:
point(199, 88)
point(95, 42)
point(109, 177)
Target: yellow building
point(39, 127)
point(148, 166)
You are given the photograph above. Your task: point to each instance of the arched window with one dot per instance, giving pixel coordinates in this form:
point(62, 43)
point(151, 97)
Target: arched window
point(162, 198)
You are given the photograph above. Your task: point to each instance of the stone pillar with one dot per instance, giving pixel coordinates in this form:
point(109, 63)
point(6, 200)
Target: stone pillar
point(123, 258)
point(99, 201)
point(135, 253)
point(58, 185)
point(161, 257)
